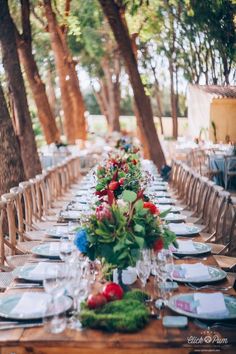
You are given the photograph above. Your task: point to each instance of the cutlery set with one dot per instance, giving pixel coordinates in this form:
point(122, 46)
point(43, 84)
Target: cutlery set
point(215, 287)
point(5, 325)
point(214, 324)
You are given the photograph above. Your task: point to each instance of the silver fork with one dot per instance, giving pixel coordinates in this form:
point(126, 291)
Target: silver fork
point(26, 286)
point(207, 325)
point(195, 287)
point(190, 257)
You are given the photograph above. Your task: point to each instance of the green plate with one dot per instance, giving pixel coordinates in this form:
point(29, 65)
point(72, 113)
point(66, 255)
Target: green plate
point(159, 188)
point(230, 303)
point(8, 302)
point(162, 194)
point(70, 214)
point(44, 250)
point(57, 231)
point(215, 274)
point(165, 201)
point(172, 208)
point(186, 230)
point(24, 272)
point(200, 248)
point(172, 217)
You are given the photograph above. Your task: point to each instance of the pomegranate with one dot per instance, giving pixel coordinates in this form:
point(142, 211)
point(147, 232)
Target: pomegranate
point(96, 300)
point(113, 291)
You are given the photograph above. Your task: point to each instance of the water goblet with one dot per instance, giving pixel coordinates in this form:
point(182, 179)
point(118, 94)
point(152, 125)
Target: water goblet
point(55, 285)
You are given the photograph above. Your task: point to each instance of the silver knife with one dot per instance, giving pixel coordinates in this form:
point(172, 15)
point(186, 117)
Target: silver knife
point(20, 325)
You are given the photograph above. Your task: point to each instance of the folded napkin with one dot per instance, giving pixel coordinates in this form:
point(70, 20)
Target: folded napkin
point(178, 228)
point(54, 248)
point(186, 246)
point(165, 200)
point(173, 216)
point(71, 214)
point(45, 269)
point(59, 230)
point(212, 303)
point(197, 271)
point(31, 303)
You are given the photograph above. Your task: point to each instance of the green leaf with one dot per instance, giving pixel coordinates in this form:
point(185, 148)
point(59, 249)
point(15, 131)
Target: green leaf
point(119, 246)
point(140, 241)
point(138, 228)
point(138, 205)
point(164, 213)
point(129, 196)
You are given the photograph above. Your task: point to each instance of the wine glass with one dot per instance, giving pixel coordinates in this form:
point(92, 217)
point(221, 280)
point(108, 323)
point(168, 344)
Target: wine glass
point(143, 271)
point(164, 269)
point(66, 248)
point(55, 285)
point(79, 288)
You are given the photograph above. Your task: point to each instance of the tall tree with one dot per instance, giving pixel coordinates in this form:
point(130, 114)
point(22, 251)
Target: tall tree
point(22, 125)
point(99, 55)
point(112, 11)
point(72, 100)
point(24, 43)
point(12, 170)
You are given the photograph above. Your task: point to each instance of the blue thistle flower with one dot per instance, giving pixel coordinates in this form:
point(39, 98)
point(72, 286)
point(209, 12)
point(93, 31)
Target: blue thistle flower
point(81, 241)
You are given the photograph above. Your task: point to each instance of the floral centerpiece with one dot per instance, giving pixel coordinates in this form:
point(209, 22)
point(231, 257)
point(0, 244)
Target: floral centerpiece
point(119, 229)
point(122, 171)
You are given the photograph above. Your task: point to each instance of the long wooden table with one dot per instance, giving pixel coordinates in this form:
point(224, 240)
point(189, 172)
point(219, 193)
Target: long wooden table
point(153, 339)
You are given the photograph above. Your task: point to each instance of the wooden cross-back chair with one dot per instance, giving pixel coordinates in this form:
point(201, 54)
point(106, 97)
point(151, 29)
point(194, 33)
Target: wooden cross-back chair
point(226, 258)
point(6, 275)
point(201, 197)
point(15, 249)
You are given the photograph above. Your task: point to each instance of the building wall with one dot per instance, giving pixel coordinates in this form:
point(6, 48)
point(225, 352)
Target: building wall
point(223, 114)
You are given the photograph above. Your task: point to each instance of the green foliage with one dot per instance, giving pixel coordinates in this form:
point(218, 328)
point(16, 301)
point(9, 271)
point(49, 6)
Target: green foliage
point(127, 315)
point(119, 237)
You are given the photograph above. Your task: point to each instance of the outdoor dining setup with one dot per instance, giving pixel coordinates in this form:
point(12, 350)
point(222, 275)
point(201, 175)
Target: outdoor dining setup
point(117, 259)
point(117, 177)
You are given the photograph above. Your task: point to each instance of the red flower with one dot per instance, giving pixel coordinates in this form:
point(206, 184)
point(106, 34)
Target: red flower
point(101, 193)
point(111, 197)
point(121, 181)
point(158, 245)
point(140, 194)
point(152, 207)
point(113, 185)
point(102, 212)
point(134, 162)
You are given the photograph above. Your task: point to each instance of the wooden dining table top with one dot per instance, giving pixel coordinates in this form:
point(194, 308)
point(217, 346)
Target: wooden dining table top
point(153, 339)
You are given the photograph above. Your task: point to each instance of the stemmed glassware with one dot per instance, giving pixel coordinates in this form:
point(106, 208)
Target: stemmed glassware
point(143, 267)
point(79, 284)
point(55, 285)
point(163, 277)
point(66, 248)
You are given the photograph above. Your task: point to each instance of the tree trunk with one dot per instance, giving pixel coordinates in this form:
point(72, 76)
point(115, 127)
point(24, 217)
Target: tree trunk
point(12, 170)
point(24, 43)
point(55, 106)
point(77, 102)
point(147, 127)
point(62, 73)
point(72, 101)
point(141, 136)
point(173, 101)
point(45, 114)
point(108, 97)
point(158, 99)
point(11, 64)
point(51, 92)
point(110, 91)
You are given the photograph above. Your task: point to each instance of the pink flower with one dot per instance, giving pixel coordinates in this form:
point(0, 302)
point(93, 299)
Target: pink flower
point(103, 212)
